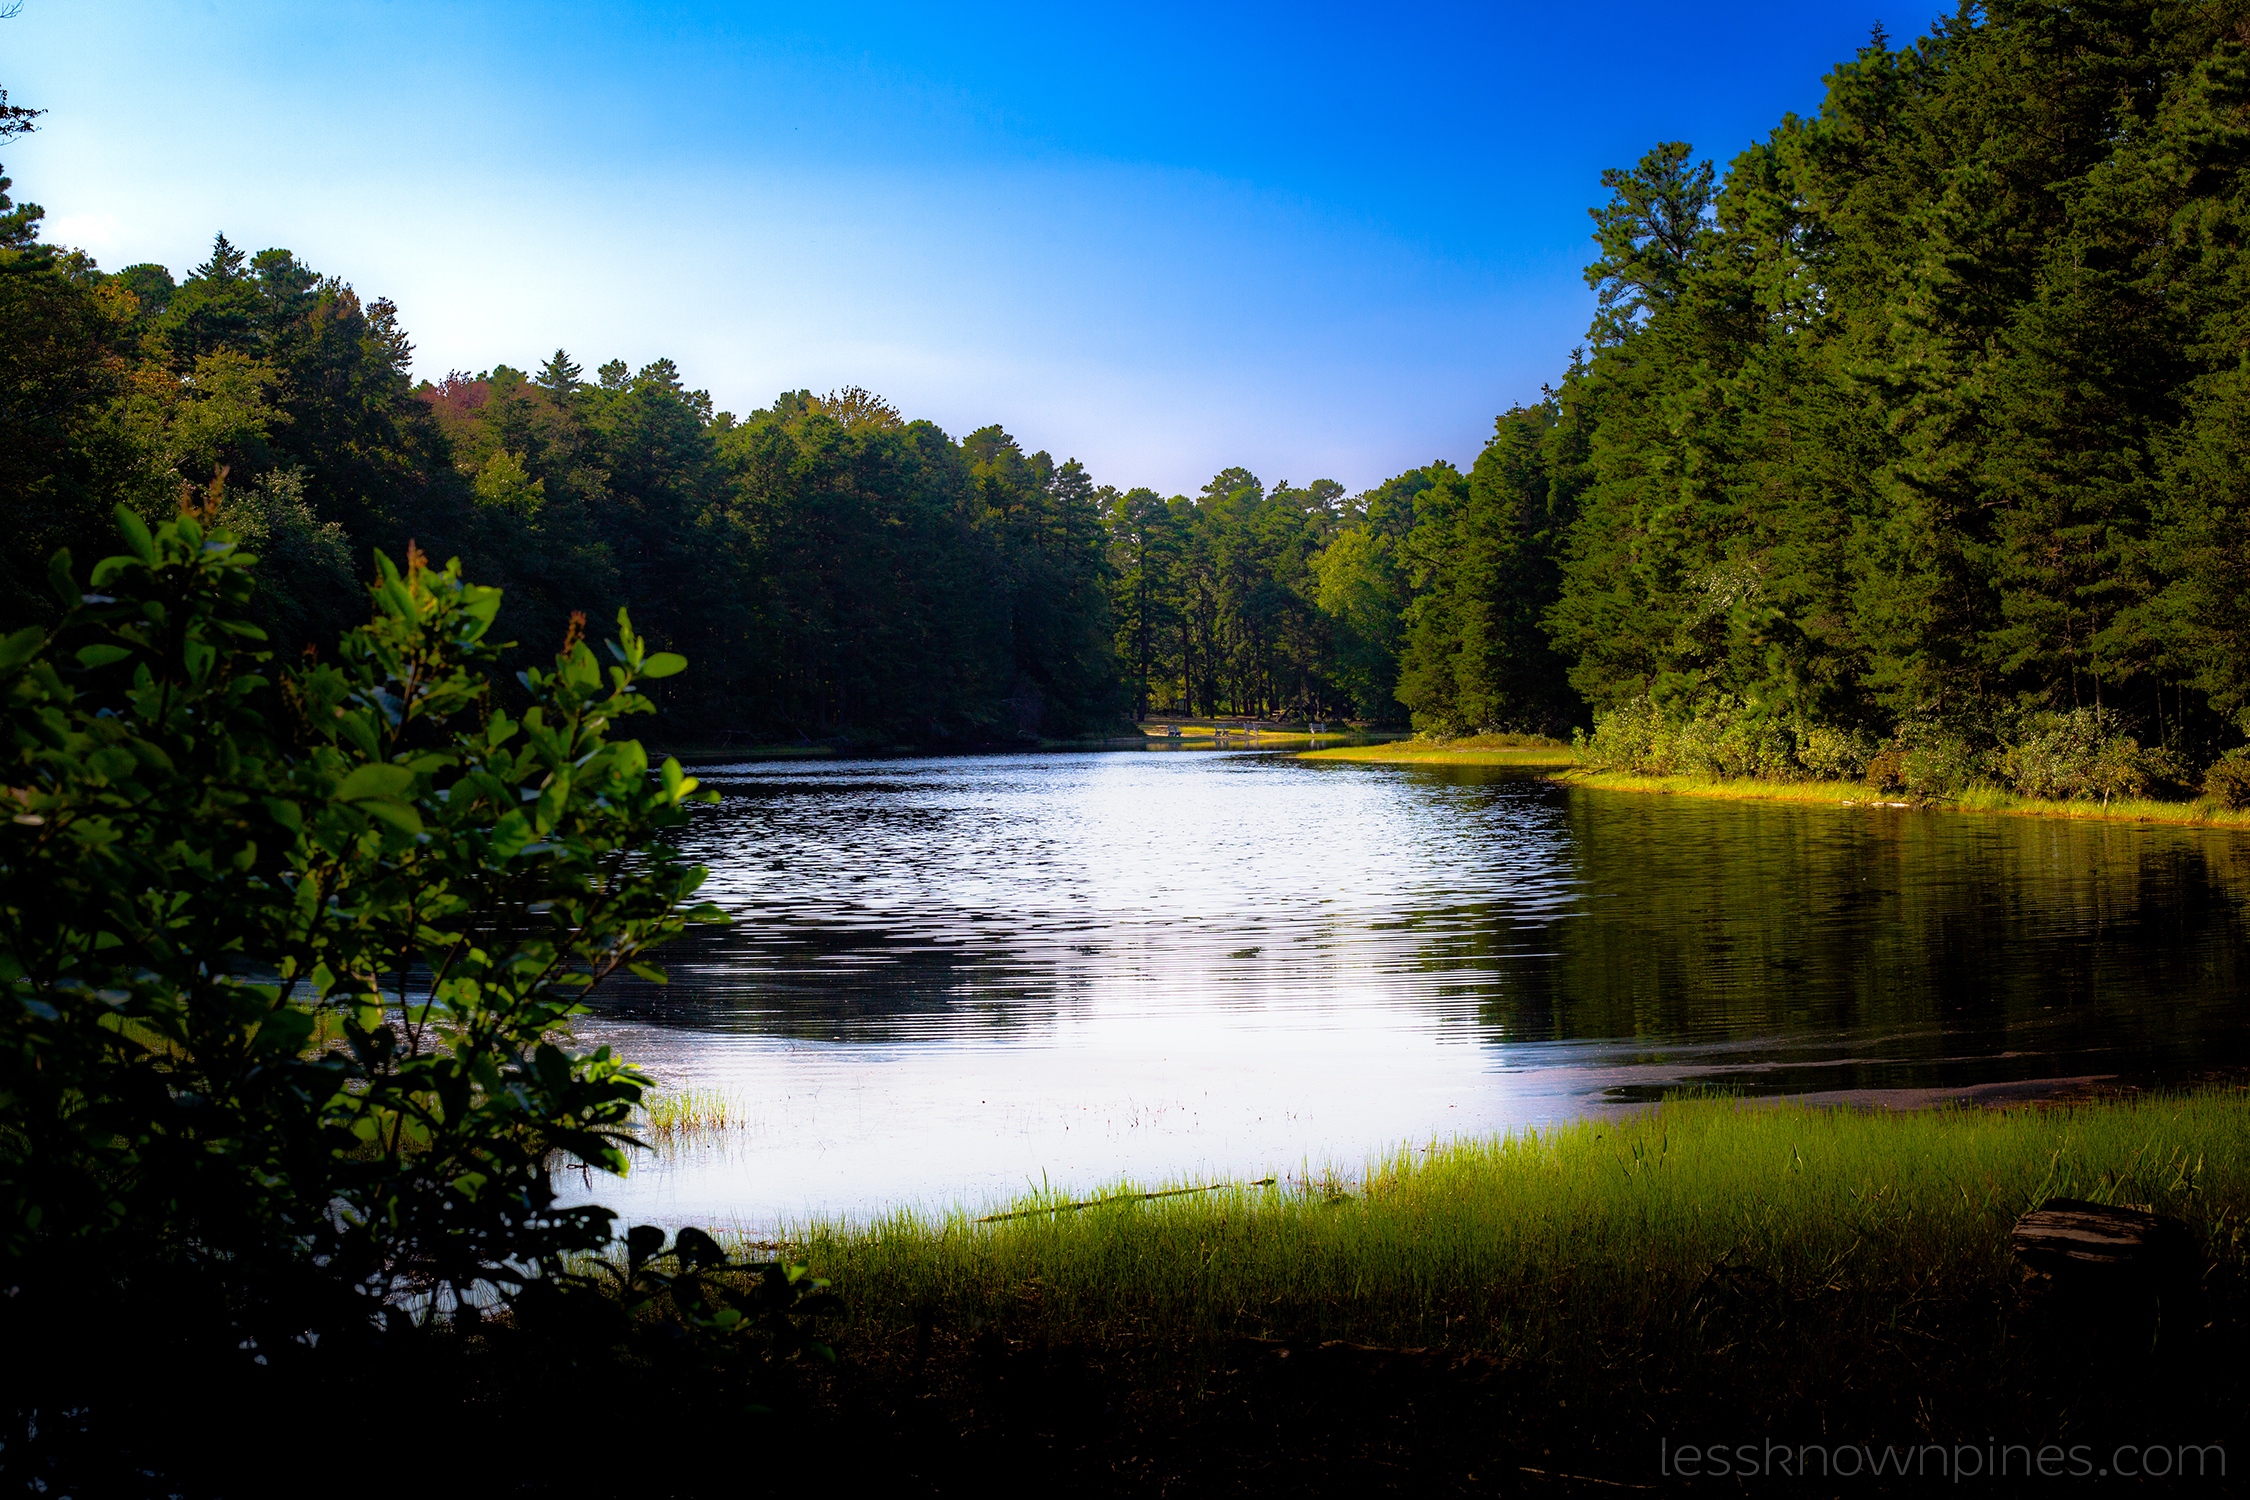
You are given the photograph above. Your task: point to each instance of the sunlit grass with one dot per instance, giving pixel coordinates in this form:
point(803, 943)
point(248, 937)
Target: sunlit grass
point(1568, 1242)
point(1987, 799)
point(1454, 753)
point(675, 1117)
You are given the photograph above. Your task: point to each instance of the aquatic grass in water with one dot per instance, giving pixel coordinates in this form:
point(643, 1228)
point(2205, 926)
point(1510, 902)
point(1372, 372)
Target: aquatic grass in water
point(675, 1117)
point(1578, 1242)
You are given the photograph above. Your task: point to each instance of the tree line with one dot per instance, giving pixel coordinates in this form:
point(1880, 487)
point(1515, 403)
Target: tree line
point(1930, 412)
point(1931, 409)
point(832, 567)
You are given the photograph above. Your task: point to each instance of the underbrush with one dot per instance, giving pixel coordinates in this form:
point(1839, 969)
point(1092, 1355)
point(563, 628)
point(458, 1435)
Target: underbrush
point(2082, 755)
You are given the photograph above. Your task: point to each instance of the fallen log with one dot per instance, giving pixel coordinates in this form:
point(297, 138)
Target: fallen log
point(2071, 1238)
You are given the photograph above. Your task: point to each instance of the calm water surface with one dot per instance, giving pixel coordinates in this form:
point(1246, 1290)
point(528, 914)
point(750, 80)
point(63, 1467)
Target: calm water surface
point(952, 978)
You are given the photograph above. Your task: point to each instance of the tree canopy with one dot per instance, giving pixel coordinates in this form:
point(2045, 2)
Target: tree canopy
point(1930, 408)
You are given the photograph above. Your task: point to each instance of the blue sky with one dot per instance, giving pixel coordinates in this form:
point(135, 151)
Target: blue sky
point(1313, 241)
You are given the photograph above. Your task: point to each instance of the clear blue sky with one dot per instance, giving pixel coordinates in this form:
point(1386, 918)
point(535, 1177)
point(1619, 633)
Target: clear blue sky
point(1314, 241)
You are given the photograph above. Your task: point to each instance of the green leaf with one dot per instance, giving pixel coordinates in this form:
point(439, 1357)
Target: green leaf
point(285, 1031)
point(101, 655)
point(59, 580)
point(113, 762)
point(135, 532)
point(397, 814)
point(552, 800)
point(392, 589)
point(650, 972)
point(376, 780)
point(580, 669)
point(664, 664)
point(21, 646)
point(358, 730)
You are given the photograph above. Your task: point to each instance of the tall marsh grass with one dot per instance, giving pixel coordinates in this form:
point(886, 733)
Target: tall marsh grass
point(675, 1117)
point(1587, 1240)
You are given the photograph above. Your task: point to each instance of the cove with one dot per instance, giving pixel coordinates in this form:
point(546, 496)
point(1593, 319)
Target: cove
point(952, 978)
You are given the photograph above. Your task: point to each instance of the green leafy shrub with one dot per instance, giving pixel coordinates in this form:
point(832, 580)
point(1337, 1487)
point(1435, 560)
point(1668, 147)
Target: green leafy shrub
point(1729, 738)
point(207, 862)
point(1723, 737)
point(2078, 755)
point(1931, 761)
point(2228, 780)
point(2060, 756)
point(725, 1317)
point(1626, 738)
point(1831, 754)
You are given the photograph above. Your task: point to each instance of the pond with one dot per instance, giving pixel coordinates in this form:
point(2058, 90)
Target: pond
point(952, 979)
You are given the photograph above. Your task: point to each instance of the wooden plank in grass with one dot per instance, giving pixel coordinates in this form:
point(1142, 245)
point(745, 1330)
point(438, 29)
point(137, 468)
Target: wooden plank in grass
point(2071, 1237)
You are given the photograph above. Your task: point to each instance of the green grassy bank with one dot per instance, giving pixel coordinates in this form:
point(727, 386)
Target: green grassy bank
point(1529, 751)
point(1562, 764)
point(1570, 1238)
point(1557, 1312)
point(1554, 1310)
point(2201, 810)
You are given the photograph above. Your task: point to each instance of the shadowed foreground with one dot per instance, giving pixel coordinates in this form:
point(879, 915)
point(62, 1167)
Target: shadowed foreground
point(1551, 1313)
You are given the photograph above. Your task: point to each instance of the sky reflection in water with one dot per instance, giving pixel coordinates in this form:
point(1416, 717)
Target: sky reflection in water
point(951, 978)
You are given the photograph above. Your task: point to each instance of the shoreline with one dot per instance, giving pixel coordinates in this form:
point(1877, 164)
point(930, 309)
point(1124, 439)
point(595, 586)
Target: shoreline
point(2202, 812)
point(1206, 735)
point(1562, 767)
point(1563, 1297)
point(1403, 755)
point(1567, 1312)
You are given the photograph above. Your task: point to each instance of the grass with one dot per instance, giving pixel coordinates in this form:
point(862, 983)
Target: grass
point(1986, 799)
point(676, 1117)
point(1472, 750)
point(1543, 1310)
point(1563, 765)
point(1550, 1313)
point(1575, 1237)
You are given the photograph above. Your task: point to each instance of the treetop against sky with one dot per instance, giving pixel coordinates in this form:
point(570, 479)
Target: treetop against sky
point(1312, 240)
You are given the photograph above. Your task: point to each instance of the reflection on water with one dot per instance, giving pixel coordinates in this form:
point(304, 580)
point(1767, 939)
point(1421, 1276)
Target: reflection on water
point(948, 978)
